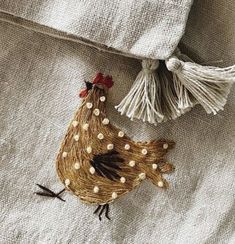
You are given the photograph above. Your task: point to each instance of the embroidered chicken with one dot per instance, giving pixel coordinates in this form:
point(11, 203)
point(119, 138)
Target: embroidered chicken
point(98, 162)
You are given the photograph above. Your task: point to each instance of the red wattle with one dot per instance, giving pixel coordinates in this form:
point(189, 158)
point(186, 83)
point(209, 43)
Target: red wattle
point(83, 93)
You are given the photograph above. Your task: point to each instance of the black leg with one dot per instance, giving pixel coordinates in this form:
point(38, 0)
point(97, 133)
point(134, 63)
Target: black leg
point(107, 211)
point(100, 210)
point(60, 192)
point(97, 209)
point(48, 193)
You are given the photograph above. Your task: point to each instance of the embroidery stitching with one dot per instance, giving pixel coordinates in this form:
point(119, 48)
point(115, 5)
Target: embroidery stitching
point(98, 162)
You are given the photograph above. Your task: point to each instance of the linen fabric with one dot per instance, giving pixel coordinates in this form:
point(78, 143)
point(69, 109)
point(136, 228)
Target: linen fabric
point(146, 29)
point(40, 78)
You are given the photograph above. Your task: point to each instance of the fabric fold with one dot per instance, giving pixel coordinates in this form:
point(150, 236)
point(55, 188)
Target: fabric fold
point(141, 29)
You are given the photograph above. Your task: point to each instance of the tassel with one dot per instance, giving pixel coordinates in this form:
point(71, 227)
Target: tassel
point(205, 85)
point(170, 96)
point(144, 99)
point(177, 87)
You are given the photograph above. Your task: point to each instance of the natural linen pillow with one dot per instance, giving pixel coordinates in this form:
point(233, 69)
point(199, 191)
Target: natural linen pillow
point(145, 29)
point(179, 83)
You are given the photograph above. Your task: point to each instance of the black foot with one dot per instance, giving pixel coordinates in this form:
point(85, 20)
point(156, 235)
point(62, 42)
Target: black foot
point(48, 193)
point(100, 210)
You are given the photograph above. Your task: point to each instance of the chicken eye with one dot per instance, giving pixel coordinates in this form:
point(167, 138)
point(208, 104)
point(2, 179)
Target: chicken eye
point(89, 85)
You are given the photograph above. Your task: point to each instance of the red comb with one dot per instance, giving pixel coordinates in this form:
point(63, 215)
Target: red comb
point(108, 81)
point(100, 79)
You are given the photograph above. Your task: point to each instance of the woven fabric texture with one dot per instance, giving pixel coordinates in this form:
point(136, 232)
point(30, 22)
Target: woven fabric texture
point(150, 29)
point(40, 78)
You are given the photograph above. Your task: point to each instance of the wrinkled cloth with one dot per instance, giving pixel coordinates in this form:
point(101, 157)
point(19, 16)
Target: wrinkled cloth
point(40, 79)
point(146, 29)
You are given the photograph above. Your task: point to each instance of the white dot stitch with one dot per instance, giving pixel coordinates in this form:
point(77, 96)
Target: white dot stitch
point(102, 99)
point(142, 176)
point(114, 195)
point(154, 166)
point(110, 146)
point(96, 112)
point(89, 105)
point(92, 170)
point(64, 154)
point(160, 183)
point(77, 165)
point(132, 163)
point(127, 147)
point(100, 136)
point(165, 145)
point(121, 134)
point(85, 126)
point(67, 182)
point(105, 121)
point(75, 123)
point(89, 149)
point(96, 189)
point(144, 151)
point(76, 137)
point(123, 180)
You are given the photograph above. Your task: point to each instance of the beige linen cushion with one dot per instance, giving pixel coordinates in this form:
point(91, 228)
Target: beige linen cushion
point(40, 77)
point(147, 29)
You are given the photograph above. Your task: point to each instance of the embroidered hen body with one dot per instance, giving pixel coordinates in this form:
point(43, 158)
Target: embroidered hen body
point(98, 162)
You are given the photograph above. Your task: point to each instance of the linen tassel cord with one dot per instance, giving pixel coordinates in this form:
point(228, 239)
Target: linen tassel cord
point(178, 86)
point(205, 85)
point(143, 100)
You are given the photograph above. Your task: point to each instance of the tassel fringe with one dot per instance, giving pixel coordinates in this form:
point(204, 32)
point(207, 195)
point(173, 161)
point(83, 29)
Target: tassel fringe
point(209, 86)
point(177, 87)
point(144, 99)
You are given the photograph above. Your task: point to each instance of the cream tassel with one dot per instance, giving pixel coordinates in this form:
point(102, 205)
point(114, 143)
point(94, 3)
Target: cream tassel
point(206, 85)
point(144, 99)
point(159, 96)
point(170, 96)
